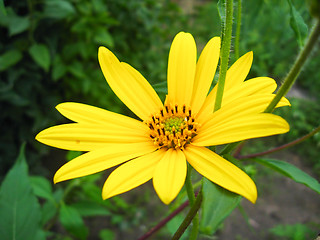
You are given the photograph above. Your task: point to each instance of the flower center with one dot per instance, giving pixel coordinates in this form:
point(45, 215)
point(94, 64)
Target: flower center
point(173, 127)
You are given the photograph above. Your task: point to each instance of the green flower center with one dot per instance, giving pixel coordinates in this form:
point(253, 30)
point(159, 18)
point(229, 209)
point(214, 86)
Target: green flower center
point(174, 123)
point(173, 127)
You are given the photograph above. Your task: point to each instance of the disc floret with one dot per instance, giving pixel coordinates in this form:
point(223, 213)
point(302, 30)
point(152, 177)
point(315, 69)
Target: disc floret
point(173, 127)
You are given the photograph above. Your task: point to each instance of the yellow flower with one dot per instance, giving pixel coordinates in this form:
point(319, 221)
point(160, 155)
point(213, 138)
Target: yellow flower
point(170, 134)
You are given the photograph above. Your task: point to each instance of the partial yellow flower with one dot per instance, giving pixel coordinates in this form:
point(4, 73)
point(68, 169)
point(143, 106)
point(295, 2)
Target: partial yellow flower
point(172, 133)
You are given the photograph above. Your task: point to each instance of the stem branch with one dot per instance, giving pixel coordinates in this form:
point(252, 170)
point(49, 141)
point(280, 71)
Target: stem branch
point(297, 66)
point(287, 145)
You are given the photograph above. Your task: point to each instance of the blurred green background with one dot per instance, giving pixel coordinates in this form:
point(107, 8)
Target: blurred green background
point(48, 55)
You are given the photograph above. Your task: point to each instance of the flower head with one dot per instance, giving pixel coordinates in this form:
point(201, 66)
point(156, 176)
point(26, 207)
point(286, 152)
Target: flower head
point(172, 133)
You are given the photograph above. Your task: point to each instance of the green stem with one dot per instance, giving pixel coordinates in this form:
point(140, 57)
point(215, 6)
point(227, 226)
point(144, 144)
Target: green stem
point(297, 66)
point(290, 144)
point(237, 38)
point(225, 51)
point(191, 214)
point(192, 199)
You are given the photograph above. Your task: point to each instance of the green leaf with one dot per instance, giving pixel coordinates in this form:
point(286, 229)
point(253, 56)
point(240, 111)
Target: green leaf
point(40, 54)
point(90, 209)
point(106, 234)
point(217, 204)
point(104, 37)
point(49, 211)
point(13, 22)
point(297, 24)
point(9, 59)
point(19, 209)
point(292, 172)
point(72, 221)
point(2, 7)
point(294, 232)
point(58, 9)
point(18, 24)
point(42, 187)
point(59, 69)
point(221, 5)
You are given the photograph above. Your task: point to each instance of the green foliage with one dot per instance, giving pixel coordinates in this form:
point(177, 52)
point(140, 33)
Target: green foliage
point(9, 59)
point(40, 54)
point(19, 208)
point(72, 208)
point(293, 232)
point(303, 117)
point(217, 204)
point(292, 172)
point(106, 235)
point(2, 7)
point(72, 221)
point(48, 54)
point(297, 24)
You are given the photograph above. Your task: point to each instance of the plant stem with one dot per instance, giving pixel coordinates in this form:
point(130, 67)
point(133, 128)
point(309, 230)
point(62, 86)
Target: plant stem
point(192, 199)
point(297, 66)
point(228, 148)
point(287, 145)
point(225, 51)
point(237, 38)
point(164, 221)
point(291, 77)
point(192, 212)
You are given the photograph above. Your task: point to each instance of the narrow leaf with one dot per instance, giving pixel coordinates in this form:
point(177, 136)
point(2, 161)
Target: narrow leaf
point(218, 203)
point(40, 54)
point(222, 11)
point(19, 209)
point(221, 5)
point(297, 24)
point(292, 172)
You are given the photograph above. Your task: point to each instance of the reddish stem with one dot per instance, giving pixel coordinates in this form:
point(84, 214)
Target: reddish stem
point(290, 144)
point(166, 220)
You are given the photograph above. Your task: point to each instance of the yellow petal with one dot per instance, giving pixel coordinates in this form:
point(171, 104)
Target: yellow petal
point(83, 113)
point(221, 172)
point(129, 85)
point(169, 175)
point(260, 85)
point(101, 159)
point(239, 108)
point(131, 174)
point(236, 74)
point(205, 71)
point(181, 69)
point(241, 128)
point(88, 137)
